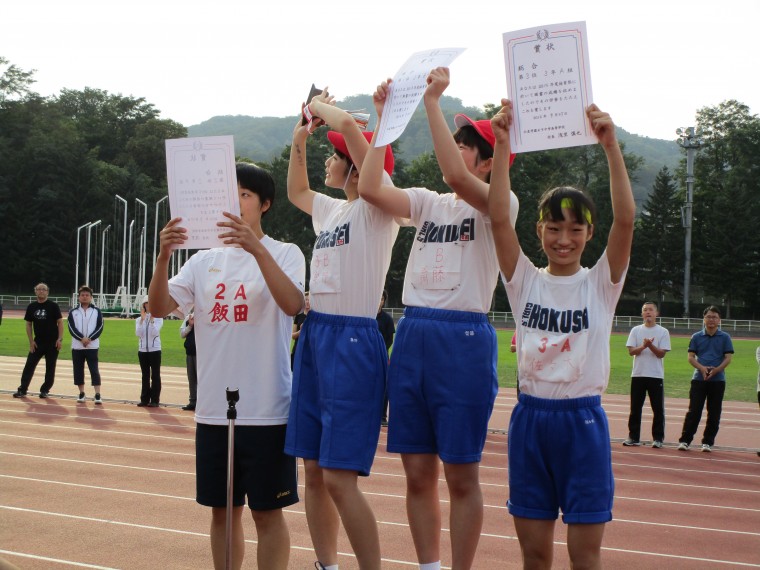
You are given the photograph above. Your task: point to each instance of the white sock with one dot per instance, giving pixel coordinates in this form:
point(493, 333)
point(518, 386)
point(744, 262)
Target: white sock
point(333, 567)
point(431, 566)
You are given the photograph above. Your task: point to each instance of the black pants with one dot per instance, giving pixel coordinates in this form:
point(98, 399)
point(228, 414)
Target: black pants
point(50, 352)
point(150, 365)
point(192, 376)
point(78, 358)
point(640, 387)
point(712, 392)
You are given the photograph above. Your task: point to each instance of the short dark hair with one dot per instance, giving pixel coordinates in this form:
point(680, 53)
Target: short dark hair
point(258, 181)
point(469, 137)
point(711, 309)
point(551, 204)
point(651, 303)
point(344, 156)
point(85, 288)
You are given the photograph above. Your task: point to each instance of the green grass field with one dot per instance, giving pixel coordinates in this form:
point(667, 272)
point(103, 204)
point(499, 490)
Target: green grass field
point(119, 344)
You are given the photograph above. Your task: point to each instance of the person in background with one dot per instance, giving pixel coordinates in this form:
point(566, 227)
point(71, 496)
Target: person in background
point(44, 329)
point(648, 344)
point(187, 331)
point(387, 329)
point(85, 326)
point(297, 324)
point(148, 330)
point(710, 353)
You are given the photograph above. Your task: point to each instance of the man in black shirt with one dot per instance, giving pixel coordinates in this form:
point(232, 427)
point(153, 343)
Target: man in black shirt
point(44, 328)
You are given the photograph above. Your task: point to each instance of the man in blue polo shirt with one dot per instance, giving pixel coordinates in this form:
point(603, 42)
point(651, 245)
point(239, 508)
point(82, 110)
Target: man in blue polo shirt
point(710, 352)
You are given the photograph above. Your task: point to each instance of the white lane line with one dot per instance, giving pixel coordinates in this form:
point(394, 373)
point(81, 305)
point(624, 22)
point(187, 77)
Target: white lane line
point(81, 461)
point(55, 560)
point(103, 445)
point(59, 427)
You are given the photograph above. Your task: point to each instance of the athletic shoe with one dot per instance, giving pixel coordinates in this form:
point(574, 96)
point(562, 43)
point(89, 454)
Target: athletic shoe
point(97, 399)
point(19, 394)
point(631, 443)
point(142, 404)
point(189, 407)
point(81, 397)
point(706, 447)
point(318, 566)
point(657, 444)
point(683, 446)
point(153, 405)
point(43, 395)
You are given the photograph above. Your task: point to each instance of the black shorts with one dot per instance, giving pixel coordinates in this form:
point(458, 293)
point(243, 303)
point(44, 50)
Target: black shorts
point(262, 470)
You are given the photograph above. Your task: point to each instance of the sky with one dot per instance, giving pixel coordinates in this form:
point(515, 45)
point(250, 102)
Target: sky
point(653, 63)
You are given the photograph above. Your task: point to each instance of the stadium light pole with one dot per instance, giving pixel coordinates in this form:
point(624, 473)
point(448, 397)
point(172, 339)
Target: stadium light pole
point(87, 265)
point(143, 257)
point(129, 270)
point(76, 273)
point(155, 234)
point(101, 301)
point(123, 240)
point(688, 139)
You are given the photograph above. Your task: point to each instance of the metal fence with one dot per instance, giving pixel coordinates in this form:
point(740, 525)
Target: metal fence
point(111, 304)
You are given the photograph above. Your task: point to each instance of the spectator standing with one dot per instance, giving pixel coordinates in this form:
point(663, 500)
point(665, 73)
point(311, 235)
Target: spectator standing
point(44, 329)
point(187, 331)
point(387, 329)
point(148, 330)
point(85, 325)
point(297, 324)
point(710, 352)
point(648, 343)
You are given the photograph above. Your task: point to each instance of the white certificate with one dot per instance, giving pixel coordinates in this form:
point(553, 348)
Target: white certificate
point(407, 89)
point(202, 184)
point(549, 83)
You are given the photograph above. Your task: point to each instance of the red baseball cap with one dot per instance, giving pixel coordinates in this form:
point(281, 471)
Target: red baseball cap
point(482, 127)
point(337, 140)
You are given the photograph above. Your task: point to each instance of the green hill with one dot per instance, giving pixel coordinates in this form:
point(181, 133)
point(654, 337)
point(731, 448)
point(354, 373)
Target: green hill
point(263, 138)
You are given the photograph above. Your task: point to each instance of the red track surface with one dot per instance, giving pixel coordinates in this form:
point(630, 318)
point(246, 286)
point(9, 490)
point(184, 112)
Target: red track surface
point(112, 486)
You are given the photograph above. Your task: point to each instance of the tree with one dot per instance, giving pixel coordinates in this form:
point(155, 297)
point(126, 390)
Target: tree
point(14, 82)
point(726, 206)
point(657, 257)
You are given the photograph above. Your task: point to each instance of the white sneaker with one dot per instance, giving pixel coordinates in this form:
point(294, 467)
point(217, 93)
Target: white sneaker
point(706, 447)
point(657, 444)
point(631, 443)
point(683, 446)
point(81, 397)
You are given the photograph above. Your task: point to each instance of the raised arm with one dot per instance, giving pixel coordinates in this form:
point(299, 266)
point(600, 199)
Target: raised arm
point(299, 193)
point(322, 106)
point(623, 206)
point(371, 188)
point(500, 194)
point(159, 301)
point(471, 188)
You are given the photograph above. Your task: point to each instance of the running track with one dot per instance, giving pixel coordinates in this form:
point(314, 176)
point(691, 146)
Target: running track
point(112, 486)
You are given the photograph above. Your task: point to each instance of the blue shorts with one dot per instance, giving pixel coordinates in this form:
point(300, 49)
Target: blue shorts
point(560, 458)
point(338, 391)
point(262, 471)
point(442, 384)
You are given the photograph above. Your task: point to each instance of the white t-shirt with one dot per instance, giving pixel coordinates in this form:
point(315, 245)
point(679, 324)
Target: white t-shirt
point(563, 329)
point(647, 364)
point(241, 334)
point(452, 264)
point(351, 256)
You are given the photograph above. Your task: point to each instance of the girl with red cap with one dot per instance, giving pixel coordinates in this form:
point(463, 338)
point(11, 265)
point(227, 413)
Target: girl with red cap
point(340, 362)
point(442, 378)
